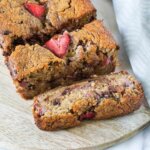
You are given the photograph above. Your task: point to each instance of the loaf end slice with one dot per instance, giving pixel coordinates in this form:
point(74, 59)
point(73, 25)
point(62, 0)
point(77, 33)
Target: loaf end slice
point(104, 97)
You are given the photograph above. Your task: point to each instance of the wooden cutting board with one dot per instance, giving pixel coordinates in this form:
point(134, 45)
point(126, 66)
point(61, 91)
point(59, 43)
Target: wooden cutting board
point(18, 131)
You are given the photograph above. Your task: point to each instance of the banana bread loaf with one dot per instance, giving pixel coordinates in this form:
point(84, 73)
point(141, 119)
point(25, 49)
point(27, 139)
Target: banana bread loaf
point(104, 97)
point(63, 59)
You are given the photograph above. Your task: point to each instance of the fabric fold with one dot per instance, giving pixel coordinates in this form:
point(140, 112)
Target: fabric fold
point(133, 18)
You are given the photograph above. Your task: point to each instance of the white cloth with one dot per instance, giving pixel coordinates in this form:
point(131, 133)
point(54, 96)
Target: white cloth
point(133, 18)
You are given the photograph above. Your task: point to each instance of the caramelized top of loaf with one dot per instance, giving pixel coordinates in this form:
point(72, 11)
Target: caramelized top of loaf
point(91, 44)
point(19, 23)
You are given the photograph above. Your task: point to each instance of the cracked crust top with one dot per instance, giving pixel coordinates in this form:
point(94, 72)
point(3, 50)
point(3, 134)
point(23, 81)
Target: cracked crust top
point(61, 13)
point(27, 59)
point(17, 23)
point(98, 35)
point(89, 45)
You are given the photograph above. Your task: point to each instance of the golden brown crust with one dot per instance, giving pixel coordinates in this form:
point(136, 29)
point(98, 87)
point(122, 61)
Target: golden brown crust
point(77, 12)
point(97, 34)
point(104, 97)
point(56, 122)
point(18, 25)
point(32, 66)
point(16, 22)
point(35, 68)
point(27, 59)
point(108, 109)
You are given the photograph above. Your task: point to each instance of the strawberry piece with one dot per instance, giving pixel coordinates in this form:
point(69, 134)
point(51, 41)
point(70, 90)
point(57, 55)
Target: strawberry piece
point(42, 111)
point(35, 9)
point(88, 116)
point(59, 46)
point(106, 61)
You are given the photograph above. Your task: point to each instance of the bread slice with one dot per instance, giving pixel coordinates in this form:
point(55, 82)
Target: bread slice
point(103, 97)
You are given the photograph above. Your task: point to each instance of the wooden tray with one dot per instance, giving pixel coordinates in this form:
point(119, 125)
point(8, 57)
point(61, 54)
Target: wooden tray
point(17, 129)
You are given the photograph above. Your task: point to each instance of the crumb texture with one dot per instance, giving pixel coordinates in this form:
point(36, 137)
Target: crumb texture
point(100, 98)
point(86, 54)
point(19, 25)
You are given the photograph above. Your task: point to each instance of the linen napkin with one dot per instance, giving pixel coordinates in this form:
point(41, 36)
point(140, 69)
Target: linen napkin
point(133, 18)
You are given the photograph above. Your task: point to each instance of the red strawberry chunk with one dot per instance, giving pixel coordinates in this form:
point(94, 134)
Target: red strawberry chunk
point(42, 111)
point(35, 9)
point(107, 61)
point(60, 45)
point(88, 116)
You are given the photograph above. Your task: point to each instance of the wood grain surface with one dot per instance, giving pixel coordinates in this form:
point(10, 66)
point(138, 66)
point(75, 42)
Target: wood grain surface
point(18, 131)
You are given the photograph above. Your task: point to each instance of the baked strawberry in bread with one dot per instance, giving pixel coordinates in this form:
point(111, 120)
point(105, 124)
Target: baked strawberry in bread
point(34, 22)
point(36, 10)
point(59, 46)
point(63, 59)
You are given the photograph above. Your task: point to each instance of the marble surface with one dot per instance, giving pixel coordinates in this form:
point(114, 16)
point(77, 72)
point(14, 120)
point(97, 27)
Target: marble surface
point(141, 140)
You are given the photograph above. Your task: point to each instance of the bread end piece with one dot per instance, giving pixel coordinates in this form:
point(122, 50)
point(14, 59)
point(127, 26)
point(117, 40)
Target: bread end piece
point(105, 97)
